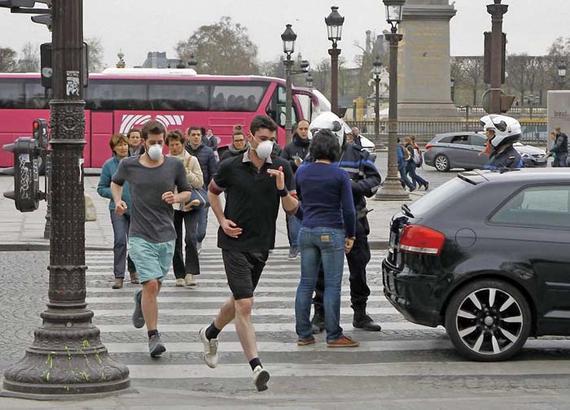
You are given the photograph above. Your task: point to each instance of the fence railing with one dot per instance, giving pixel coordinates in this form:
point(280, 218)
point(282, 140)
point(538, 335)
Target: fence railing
point(532, 131)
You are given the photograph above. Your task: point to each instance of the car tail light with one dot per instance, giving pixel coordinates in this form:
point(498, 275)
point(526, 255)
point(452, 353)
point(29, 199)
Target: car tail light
point(421, 239)
point(428, 146)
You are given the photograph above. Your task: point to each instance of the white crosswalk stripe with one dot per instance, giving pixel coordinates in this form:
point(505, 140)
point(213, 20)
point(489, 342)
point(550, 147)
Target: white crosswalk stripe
point(183, 311)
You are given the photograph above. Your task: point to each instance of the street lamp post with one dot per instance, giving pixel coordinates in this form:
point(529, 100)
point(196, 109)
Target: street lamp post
point(289, 37)
point(67, 356)
point(334, 23)
point(562, 74)
point(377, 72)
point(496, 10)
point(392, 189)
point(309, 80)
point(452, 85)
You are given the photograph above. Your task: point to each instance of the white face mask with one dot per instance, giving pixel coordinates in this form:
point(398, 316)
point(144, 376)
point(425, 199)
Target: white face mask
point(264, 149)
point(155, 152)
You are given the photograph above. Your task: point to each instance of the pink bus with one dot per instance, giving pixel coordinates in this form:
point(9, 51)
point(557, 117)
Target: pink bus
point(120, 99)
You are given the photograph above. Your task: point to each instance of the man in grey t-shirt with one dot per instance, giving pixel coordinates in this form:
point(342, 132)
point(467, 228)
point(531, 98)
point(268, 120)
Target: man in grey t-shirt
point(153, 179)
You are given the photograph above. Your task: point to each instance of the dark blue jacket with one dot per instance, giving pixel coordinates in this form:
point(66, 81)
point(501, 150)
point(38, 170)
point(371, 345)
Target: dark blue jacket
point(363, 173)
point(509, 158)
point(207, 160)
point(104, 187)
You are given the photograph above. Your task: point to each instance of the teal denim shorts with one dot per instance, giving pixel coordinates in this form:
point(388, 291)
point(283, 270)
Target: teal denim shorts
point(152, 260)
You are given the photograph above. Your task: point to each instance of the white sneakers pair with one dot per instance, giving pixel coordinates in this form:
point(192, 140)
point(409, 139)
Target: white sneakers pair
point(210, 356)
point(188, 280)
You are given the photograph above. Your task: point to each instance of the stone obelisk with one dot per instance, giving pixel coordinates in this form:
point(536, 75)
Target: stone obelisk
point(424, 71)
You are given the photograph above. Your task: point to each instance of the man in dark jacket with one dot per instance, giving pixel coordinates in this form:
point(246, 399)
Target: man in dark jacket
point(211, 141)
point(560, 149)
point(295, 152)
point(365, 182)
point(238, 145)
point(209, 165)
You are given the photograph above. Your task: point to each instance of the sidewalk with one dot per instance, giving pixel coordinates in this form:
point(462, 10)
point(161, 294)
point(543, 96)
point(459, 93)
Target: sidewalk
point(24, 231)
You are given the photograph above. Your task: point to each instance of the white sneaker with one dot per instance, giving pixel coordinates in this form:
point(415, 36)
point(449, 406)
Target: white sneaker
point(180, 282)
point(210, 349)
point(260, 378)
point(189, 280)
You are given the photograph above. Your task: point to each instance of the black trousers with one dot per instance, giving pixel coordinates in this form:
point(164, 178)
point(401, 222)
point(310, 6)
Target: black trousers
point(357, 259)
point(189, 263)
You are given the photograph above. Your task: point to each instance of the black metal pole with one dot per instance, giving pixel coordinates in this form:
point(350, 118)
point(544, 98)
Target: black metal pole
point(288, 99)
point(496, 11)
point(377, 110)
point(67, 356)
point(392, 189)
point(47, 228)
point(334, 53)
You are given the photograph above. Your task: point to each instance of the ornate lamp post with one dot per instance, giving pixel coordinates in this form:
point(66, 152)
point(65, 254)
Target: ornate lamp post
point(392, 189)
point(377, 72)
point(562, 74)
point(289, 37)
point(452, 85)
point(67, 356)
point(496, 10)
point(334, 23)
point(309, 80)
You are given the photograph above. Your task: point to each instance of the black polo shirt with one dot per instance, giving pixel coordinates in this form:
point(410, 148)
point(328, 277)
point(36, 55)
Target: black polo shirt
point(252, 201)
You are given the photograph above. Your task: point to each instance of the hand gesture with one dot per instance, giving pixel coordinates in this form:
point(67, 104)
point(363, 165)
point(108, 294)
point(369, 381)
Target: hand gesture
point(169, 197)
point(120, 208)
point(348, 244)
point(230, 228)
point(279, 177)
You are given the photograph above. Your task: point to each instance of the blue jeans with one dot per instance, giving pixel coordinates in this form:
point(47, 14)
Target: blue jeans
point(560, 160)
point(415, 178)
point(404, 180)
point(121, 225)
point(293, 227)
point(202, 224)
point(326, 246)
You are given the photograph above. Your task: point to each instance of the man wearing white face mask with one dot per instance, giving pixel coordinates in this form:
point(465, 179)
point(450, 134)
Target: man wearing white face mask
point(255, 183)
point(153, 179)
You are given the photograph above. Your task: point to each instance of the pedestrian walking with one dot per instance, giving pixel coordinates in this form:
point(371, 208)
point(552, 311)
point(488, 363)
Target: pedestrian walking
point(136, 147)
point(328, 231)
point(414, 161)
point(152, 179)
point(403, 158)
point(186, 265)
point(365, 181)
point(560, 149)
point(211, 141)
point(239, 144)
point(295, 152)
point(120, 148)
point(502, 132)
point(209, 164)
point(255, 184)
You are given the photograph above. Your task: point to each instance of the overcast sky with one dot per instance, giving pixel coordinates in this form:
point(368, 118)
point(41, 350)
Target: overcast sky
point(139, 26)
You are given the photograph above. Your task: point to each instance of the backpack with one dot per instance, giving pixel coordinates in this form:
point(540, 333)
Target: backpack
point(418, 160)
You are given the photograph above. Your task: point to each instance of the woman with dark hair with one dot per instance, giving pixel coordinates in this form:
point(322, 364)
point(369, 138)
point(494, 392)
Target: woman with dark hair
point(414, 161)
point(136, 147)
point(327, 232)
point(120, 147)
point(238, 146)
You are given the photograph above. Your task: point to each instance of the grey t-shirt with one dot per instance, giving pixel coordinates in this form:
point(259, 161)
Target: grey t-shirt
point(151, 217)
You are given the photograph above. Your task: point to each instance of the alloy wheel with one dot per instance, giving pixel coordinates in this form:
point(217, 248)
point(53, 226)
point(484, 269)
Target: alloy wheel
point(441, 163)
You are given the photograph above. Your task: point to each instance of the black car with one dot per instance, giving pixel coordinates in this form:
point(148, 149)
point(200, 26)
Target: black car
point(486, 255)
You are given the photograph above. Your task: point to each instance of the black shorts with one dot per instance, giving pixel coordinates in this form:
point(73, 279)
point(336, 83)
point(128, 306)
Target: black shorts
point(243, 270)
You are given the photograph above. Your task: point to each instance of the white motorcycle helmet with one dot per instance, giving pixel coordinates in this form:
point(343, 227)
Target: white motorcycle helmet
point(507, 129)
point(330, 121)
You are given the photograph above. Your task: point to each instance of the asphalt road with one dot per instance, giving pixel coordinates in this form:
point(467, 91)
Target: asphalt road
point(403, 367)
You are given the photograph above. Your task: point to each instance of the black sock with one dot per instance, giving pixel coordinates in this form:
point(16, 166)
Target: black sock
point(254, 363)
point(152, 333)
point(212, 332)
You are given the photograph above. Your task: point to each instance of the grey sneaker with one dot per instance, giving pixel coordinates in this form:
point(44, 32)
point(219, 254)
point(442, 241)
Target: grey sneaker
point(210, 354)
point(260, 378)
point(155, 346)
point(138, 318)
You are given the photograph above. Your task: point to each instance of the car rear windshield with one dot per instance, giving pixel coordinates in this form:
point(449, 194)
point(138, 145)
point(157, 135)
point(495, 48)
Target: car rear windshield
point(440, 196)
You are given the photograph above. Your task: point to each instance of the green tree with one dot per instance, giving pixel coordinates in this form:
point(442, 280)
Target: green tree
point(221, 48)
point(8, 62)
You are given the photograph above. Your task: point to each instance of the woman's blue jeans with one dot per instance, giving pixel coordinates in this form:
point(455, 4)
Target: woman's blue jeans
point(326, 246)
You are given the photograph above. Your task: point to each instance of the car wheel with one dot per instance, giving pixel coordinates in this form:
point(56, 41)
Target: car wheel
point(488, 320)
point(441, 163)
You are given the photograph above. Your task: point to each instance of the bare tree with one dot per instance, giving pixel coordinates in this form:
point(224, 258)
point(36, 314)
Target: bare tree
point(29, 62)
point(8, 62)
point(215, 45)
point(95, 54)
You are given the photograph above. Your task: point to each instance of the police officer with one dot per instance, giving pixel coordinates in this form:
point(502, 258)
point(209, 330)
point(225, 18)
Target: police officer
point(365, 182)
point(502, 132)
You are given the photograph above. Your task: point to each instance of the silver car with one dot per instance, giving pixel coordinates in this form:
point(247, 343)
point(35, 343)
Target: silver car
point(465, 150)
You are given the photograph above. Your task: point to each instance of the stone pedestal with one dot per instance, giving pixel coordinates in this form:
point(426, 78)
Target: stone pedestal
point(424, 72)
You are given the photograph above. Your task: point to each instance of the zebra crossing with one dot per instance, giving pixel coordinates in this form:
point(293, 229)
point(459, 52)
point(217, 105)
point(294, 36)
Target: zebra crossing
point(402, 348)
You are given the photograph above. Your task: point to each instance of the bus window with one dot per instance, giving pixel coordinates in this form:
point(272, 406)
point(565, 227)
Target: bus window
point(242, 97)
point(178, 96)
point(306, 106)
point(35, 95)
point(279, 115)
point(12, 93)
point(116, 95)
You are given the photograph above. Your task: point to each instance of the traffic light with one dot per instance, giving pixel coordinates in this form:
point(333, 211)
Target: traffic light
point(41, 136)
point(27, 7)
point(26, 191)
point(17, 3)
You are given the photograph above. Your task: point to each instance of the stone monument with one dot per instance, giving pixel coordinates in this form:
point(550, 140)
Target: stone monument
point(424, 90)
